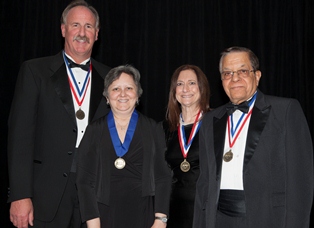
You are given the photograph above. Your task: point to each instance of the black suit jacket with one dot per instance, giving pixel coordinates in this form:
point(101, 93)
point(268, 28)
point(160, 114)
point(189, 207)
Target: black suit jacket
point(42, 131)
point(277, 169)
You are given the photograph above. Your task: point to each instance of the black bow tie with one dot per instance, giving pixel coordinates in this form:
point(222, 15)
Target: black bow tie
point(243, 107)
point(82, 66)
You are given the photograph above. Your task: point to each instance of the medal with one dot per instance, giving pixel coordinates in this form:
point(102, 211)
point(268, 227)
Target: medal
point(228, 156)
point(185, 166)
point(80, 114)
point(119, 163)
point(186, 144)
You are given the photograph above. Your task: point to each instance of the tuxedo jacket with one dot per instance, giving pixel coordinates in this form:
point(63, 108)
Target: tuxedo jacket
point(94, 162)
point(42, 131)
point(277, 167)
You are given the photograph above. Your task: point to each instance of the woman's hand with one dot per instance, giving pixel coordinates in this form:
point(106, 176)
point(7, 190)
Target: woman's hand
point(158, 223)
point(93, 223)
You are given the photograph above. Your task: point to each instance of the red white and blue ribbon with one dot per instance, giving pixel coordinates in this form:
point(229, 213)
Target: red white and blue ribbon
point(233, 133)
point(184, 144)
point(78, 93)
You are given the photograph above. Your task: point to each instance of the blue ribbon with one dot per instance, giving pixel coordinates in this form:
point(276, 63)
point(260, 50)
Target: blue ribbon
point(121, 148)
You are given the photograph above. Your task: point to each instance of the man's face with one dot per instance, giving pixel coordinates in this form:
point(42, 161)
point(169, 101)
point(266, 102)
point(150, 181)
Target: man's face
point(80, 33)
point(239, 88)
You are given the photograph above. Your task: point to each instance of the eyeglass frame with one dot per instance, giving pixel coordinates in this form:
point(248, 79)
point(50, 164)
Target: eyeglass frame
point(237, 71)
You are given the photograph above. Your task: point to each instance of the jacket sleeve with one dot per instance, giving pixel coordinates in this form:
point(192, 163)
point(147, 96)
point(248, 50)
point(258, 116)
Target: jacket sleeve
point(21, 134)
point(299, 157)
point(162, 173)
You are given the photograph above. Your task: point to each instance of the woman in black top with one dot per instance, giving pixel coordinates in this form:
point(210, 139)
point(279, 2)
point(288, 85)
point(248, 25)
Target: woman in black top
point(122, 176)
point(188, 102)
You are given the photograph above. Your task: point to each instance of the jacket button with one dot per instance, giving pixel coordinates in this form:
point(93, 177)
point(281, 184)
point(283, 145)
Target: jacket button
point(74, 130)
point(65, 174)
point(70, 152)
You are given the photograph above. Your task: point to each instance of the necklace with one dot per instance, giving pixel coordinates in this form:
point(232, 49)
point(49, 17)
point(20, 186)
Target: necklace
point(189, 119)
point(122, 127)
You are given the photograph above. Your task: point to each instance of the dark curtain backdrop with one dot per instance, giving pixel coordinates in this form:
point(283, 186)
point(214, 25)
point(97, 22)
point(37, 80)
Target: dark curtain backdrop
point(157, 36)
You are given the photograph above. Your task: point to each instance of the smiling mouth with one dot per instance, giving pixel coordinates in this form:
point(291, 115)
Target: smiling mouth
point(187, 96)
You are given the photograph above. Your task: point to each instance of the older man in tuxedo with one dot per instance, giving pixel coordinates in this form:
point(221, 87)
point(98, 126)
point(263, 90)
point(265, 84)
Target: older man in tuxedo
point(55, 98)
point(256, 156)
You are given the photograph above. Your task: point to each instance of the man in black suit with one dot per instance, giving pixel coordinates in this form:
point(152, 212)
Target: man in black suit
point(54, 100)
point(256, 155)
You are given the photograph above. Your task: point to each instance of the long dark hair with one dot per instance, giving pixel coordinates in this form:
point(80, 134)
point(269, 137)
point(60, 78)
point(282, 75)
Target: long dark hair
point(174, 107)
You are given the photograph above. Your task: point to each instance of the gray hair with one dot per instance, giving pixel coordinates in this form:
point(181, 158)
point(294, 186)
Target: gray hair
point(79, 3)
point(253, 58)
point(115, 74)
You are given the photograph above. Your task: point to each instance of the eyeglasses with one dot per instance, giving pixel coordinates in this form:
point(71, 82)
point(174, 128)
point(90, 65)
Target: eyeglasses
point(226, 75)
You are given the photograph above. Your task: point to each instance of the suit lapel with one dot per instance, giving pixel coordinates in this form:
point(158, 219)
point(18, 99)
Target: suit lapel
point(97, 88)
point(219, 138)
point(61, 85)
point(258, 121)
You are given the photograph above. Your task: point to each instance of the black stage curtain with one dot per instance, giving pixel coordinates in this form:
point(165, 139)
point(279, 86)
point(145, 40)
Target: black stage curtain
point(157, 36)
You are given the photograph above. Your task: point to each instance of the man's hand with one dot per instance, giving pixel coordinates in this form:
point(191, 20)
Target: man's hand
point(22, 213)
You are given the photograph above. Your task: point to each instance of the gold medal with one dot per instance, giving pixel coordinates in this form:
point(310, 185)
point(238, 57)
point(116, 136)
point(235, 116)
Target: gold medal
point(80, 114)
point(228, 156)
point(185, 166)
point(119, 163)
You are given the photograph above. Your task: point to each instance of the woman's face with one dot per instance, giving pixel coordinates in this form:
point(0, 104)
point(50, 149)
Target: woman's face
point(187, 90)
point(122, 94)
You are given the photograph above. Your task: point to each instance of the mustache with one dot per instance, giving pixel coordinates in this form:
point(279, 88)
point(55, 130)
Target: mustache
point(81, 38)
